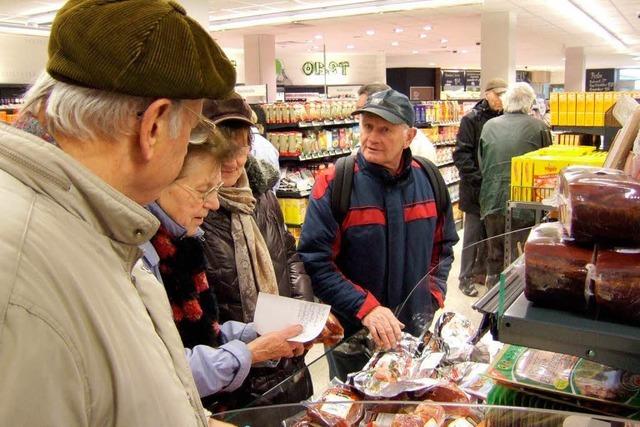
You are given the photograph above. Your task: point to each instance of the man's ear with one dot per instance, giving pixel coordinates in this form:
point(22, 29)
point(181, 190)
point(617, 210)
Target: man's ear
point(153, 124)
point(411, 133)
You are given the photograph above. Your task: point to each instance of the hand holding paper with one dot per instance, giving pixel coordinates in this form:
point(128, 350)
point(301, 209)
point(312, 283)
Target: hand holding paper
point(274, 313)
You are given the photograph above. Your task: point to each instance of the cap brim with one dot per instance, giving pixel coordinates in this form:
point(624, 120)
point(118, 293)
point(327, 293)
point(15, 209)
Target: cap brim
point(235, 117)
point(499, 90)
point(381, 112)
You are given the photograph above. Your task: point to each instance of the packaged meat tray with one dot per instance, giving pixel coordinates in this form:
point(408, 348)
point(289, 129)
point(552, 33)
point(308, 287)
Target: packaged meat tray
point(555, 270)
point(600, 206)
point(566, 375)
point(616, 284)
point(338, 407)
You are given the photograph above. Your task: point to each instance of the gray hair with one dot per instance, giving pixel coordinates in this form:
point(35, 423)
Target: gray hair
point(90, 114)
point(372, 88)
point(519, 98)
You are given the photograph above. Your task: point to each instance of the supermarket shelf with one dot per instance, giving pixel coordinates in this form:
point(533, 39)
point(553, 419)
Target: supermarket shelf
point(446, 144)
point(10, 107)
point(321, 155)
point(313, 124)
point(449, 163)
point(612, 344)
point(293, 194)
point(453, 182)
point(591, 130)
point(427, 125)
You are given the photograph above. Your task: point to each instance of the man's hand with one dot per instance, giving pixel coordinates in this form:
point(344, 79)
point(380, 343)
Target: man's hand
point(274, 345)
point(385, 329)
point(212, 422)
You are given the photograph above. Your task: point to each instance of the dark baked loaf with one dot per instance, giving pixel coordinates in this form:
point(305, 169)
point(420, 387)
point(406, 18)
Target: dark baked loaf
point(617, 284)
point(555, 271)
point(601, 206)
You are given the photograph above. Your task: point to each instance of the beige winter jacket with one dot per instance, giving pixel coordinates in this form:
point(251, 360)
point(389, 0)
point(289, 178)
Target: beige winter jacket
point(81, 344)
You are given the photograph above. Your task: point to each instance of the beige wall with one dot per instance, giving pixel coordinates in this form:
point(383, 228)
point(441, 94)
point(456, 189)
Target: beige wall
point(22, 58)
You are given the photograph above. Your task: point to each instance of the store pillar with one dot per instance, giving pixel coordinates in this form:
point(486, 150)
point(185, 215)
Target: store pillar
point(197, 10)
point(260, 62)
point(498, 46)
point(574, 69)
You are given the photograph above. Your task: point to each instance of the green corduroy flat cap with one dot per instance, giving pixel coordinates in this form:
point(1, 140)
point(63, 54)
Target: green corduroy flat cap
point(148, 48)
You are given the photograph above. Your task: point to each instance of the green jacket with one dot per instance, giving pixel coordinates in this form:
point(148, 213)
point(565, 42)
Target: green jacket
point(503, 138)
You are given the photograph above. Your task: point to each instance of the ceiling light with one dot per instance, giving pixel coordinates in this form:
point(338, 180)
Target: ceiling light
point(443, 41)
point(582, 19)
point(415, 52)
point(564, 59)
point(309, 41)
point(427, 28)
point(318, 37)
point(324, 12)
point(398, 30)
point(423, 36)
point(395, 44)
point(370, 32)
point(636, 58)
point(350, 46)
point(464, 51)
point(432, 63)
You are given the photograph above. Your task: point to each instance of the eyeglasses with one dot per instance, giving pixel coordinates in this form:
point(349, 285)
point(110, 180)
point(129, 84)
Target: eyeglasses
point(203, 129)
point(205, 197)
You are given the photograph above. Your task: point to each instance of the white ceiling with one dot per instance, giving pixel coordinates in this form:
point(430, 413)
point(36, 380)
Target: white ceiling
point(542, 32)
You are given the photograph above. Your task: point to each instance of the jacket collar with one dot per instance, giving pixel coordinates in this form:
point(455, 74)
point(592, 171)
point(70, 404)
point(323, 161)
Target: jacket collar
point(383, 173)
point(482, 107)
point(175, 230)
point(51, 172)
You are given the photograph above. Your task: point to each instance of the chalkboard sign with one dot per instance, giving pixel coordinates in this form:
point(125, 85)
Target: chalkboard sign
point(601, 80)
point(452, 79)
point(523, 76)
point(472, 80)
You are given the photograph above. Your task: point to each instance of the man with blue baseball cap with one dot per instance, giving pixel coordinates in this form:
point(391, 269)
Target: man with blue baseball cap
point(367, 262)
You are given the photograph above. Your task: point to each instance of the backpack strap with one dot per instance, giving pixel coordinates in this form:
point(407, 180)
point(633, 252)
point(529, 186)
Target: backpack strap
point(440, 191)
point(341, 193)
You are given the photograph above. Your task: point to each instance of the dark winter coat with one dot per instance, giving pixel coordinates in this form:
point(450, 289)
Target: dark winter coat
point(289, 270)
point(465, 155)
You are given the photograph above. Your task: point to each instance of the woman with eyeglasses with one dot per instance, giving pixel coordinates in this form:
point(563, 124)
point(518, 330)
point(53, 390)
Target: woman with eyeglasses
point(220, 355)
point(249, 250)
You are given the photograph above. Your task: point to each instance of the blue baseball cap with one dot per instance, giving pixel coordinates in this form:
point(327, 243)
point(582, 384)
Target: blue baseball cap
point(391, 105)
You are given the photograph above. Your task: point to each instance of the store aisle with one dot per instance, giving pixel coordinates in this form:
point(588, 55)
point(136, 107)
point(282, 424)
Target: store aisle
point(456, 301)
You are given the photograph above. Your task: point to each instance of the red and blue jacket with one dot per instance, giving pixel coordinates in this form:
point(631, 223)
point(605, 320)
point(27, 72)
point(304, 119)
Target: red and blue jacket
point(390, 239)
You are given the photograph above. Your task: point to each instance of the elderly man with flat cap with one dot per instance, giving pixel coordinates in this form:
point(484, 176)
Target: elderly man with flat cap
point(102, 132)
point(473, 268)
point(367, 262)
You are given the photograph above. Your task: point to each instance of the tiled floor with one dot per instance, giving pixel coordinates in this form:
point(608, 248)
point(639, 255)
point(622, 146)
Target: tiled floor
point(456, 301)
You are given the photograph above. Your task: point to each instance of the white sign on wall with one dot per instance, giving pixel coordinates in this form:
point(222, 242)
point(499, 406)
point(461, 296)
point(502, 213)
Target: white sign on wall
point(341, 69)
point(23, 58)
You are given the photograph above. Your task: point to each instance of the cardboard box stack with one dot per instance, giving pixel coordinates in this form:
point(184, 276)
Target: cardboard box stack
point(535, 174)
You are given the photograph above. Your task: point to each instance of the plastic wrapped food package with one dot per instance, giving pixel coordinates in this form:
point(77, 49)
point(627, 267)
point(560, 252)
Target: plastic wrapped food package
point(600, 207)
point(555, 270)
point(456, 331)
point(338, 406)
point(616, 285)
point(567, 375)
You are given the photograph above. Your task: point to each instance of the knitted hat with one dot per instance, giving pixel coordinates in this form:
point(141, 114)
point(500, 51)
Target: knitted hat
point(147, 48)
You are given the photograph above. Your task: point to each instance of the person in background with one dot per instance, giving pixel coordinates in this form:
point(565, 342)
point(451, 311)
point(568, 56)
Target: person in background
point(249, 250)
point(102, 132)
point(421, 145)
point(219, 356)
point(465, 157)
point(512, 134)
point(391, 237)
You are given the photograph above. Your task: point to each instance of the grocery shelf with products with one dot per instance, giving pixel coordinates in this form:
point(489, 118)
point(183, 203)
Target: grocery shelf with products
point(9, 109)
point(436, 113)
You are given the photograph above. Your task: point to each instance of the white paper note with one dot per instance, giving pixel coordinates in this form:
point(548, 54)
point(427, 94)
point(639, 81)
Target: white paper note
point(274, 313)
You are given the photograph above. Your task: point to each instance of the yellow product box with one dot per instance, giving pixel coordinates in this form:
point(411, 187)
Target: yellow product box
point(580, 108)
point(609, 100)
point(516, 178)
point(598, 113)
point(296, 211)
point(571, 108)
point(562, 109)
point(554, 106)
point(526, 179)
point(589, 108)
point(566, 150)
point(545, 172)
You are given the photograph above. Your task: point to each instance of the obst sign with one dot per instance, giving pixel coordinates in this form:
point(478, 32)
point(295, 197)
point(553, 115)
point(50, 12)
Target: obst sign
point(317, 68)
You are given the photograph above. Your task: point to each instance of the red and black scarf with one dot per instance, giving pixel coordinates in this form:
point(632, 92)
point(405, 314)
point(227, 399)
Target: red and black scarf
point(194, 305)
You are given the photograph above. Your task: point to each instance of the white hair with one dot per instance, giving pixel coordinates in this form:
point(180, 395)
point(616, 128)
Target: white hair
point(519, 98)
point(90, 114)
